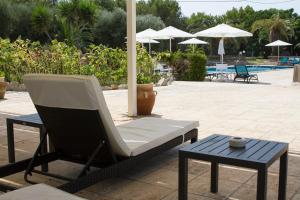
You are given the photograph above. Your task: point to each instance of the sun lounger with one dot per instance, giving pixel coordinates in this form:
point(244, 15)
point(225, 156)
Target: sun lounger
point(242, 73)
point(81, 130)
point(39, 192)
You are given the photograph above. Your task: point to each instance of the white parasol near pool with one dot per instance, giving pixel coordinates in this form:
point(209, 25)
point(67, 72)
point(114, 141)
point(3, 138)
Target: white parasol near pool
point(171, 32)
point(278, 44)
point(148, 35)
point(223, 31)
point(193, 41)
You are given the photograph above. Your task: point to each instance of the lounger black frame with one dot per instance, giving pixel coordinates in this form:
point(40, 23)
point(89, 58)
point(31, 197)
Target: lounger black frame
point(247, 76)
point(111, 165)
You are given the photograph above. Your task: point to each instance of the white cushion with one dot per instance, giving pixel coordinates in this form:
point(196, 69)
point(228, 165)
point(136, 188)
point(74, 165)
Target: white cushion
point(38, 192)
point(144, 134)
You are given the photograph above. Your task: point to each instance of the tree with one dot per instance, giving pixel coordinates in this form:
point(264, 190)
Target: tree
point(42, 19)
point(144, 22)
point(110, 28)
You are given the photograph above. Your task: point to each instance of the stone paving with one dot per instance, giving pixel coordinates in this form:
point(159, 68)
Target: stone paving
point(267, 110)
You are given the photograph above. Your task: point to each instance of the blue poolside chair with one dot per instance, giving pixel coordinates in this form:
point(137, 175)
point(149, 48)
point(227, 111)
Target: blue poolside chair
point(284, 61)
point(242, 73)
point(296, 61)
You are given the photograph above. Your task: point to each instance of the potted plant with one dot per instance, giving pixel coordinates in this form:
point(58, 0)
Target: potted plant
point(145, 95)
point(3, 85)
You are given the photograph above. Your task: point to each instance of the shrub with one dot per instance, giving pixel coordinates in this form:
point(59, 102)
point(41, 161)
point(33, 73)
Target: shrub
point(109, 65)
point(197, 67)
point(187, 66)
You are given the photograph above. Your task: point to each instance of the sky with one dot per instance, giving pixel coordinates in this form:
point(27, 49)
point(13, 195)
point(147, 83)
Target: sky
point(218, 8)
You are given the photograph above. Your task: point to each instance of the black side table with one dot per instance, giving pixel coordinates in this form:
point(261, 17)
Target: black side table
point(32, 120)
point(258, 154)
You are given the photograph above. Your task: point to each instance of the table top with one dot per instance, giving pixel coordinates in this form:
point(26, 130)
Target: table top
point(32, 118)
point(216, 147)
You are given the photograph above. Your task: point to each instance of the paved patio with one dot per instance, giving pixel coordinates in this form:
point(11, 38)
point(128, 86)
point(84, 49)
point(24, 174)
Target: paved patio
point(268, 110)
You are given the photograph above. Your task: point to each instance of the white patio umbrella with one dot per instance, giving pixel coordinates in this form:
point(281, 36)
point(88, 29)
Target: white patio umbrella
point(223, 31)
point(193, 41)
point(171, 32)
point(149, 34)
point(278, 44)
point(147, 41)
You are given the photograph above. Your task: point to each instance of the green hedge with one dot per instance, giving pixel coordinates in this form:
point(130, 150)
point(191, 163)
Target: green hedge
point(187, 66)
point(109, 65)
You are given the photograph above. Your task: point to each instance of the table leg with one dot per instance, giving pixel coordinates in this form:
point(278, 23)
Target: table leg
point(44, 148)
point(262, 179)
point(183, 178)
point(10, 141)
point(214, 177)
point(283, 176)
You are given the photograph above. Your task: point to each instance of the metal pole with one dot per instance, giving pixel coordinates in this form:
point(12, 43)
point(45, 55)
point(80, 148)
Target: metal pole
point(278, 54)
point(149, 48)
point(131, 57)
point(170, 45)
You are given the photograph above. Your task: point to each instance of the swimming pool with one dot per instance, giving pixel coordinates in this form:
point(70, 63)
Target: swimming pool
point(251, 68)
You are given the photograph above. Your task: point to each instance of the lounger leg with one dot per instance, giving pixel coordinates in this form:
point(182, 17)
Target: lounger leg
point(87, 165)
point(194, 139)
point(36, 154)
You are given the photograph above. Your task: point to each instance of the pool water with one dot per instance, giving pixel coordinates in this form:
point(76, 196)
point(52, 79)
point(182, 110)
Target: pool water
point(251, 68)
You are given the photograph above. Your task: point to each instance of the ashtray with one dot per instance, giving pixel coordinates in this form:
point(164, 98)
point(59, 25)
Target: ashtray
point(237, 142)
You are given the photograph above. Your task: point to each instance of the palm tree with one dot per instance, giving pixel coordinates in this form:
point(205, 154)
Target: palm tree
point(273, 29)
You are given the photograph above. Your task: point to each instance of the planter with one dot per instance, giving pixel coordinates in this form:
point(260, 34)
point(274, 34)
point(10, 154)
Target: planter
point(3, 86)
point(145, 99)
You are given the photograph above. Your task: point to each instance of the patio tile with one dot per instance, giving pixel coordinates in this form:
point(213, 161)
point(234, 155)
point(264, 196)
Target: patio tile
point(293, 183)
point(196, 167)
point(201, 186)
point(174, 196)
point(163, 178)
point(248, 192)
point(119, 188)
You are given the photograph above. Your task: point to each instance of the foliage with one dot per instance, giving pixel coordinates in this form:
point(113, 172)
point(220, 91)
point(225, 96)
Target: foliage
point(2, 74)
point(144, 22)
point(197, 68)
point(187, 66)
point(109, 65)
point(110, 28)
point(42, 19)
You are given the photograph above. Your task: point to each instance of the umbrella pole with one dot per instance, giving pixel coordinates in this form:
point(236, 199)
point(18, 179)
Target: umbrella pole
point(149, 48)
point(278, 55)
point(170, 45)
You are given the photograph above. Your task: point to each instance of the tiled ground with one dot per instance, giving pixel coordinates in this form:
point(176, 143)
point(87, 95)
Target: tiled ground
point(269, 110)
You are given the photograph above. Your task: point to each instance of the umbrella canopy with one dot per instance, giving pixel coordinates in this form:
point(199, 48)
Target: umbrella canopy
point(193, 41)
point(223, 31)
point(141, 40)
point(278, 43)
point(171, 32)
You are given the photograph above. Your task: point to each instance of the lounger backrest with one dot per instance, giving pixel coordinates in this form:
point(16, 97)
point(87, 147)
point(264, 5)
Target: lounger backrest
point(75, 111)
point(241, 70)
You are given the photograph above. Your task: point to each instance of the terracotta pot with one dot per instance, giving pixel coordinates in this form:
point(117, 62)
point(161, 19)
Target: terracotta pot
point(3, 86)
point(145, 99)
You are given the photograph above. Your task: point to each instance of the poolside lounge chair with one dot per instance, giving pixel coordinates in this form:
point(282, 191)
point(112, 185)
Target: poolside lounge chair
point(39, 192)
point(242, 73)
point(284, 61)
point(81, 130)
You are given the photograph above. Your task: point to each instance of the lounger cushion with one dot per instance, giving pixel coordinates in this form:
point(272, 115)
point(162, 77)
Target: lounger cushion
point(144, 134)
point(39, 192)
